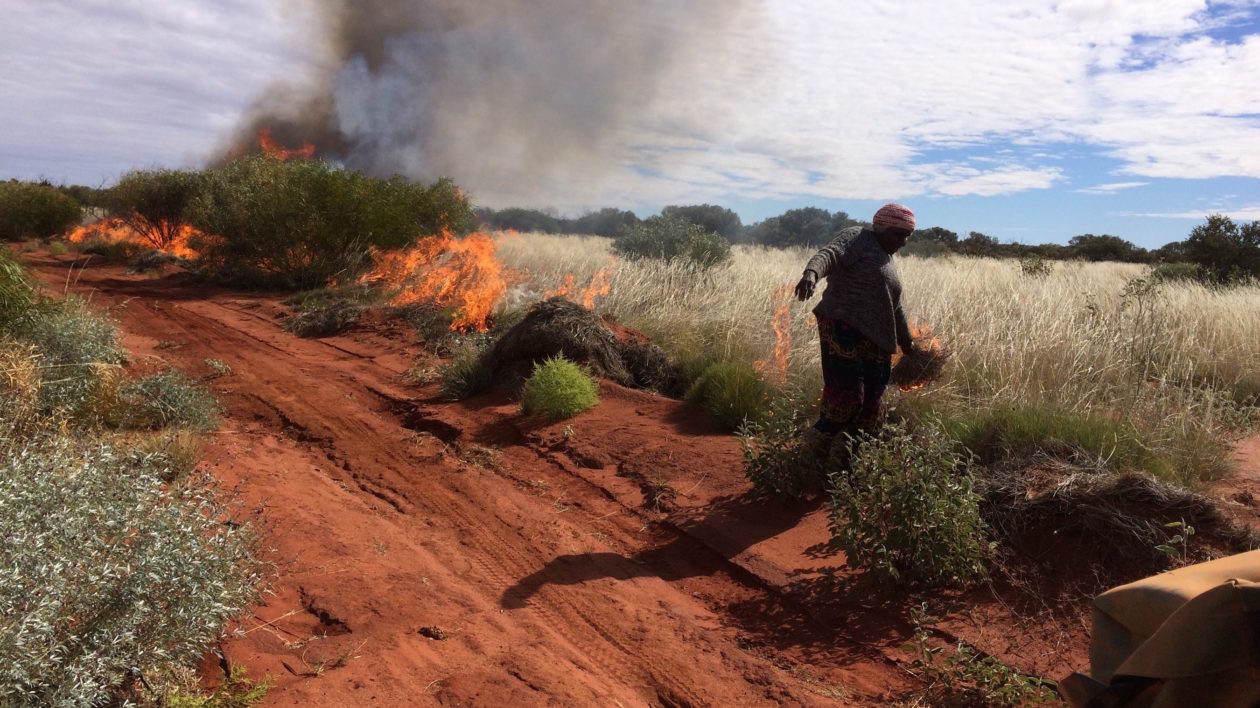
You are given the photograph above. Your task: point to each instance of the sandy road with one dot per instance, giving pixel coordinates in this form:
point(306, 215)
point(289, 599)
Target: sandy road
point(456, 554)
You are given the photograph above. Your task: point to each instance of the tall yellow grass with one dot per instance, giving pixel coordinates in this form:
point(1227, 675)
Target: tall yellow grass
point(1176, 358)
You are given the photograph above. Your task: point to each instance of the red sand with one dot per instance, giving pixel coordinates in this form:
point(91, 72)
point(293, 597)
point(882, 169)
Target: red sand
point(429, 552)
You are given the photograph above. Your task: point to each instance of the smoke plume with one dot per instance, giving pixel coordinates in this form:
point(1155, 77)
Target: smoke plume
point(509, 98)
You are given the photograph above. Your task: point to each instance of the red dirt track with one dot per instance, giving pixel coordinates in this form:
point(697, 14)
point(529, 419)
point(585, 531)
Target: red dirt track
point(435, 553)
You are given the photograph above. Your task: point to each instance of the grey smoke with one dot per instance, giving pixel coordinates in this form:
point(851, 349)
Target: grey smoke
point(503, 96)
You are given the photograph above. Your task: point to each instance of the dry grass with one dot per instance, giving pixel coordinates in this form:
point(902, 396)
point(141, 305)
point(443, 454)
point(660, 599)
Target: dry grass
point(1179, 360)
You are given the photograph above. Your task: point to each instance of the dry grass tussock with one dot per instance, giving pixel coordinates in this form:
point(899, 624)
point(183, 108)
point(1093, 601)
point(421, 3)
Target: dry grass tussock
point(1176, 359)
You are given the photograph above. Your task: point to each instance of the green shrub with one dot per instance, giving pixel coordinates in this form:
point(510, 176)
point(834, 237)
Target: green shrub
point(780, 460)
point(16, 293)
point(1005, 432)
point(106, 571)
point(672, 238)
point(155, 203)
point(1035, 267)
point(1172, 272)
point(164, 400)
point(558, 389)
point(302, 223)
point(79, 356)
point(731, 393)
point(466, 373)
point(34, 211)
point(908, 511)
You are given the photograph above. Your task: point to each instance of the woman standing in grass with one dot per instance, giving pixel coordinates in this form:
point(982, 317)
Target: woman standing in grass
point(860, 320)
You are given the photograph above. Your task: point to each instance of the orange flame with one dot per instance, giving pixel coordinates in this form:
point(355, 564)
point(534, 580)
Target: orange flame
point(775, 368)
point(276, 151)
point(448, 272)
point(924, 341)
point(162, 236)
point(599, 286)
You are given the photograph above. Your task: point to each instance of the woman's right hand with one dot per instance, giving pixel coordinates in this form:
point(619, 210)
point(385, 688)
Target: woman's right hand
point(805, 288)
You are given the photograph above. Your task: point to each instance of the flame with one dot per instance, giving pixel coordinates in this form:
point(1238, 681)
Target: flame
point(775, 368)
point(276, 151)
point(172, 239)
point(599, 286)
point(925, 341)
point(448, 272)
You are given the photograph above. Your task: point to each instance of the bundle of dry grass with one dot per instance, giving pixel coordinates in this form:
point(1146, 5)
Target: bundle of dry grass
point(335, 318)
point(921, 368)
point(1123, 517)
point(559, 327)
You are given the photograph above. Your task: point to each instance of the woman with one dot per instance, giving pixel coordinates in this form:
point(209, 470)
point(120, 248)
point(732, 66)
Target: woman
point(860, 320)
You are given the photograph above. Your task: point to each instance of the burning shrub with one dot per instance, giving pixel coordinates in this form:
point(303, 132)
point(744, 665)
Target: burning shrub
point(557, 327)
point(908, 510)
point(34, 211)
point(672, 238)
point(155, 203)
point(558, 389)
point(303, 223)
point(731, 393)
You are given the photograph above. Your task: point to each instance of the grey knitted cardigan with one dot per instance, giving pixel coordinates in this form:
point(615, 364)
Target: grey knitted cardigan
point(863, 287)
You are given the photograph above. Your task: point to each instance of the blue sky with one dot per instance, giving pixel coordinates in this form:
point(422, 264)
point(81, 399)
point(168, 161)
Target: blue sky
point(1028, 121)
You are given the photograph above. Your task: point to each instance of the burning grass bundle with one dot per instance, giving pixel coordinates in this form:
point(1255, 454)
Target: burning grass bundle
point(926, 365)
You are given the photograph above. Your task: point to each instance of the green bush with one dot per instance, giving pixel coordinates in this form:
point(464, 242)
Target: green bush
point(558, 389)
point(106, 571)
point(164, 400)
point(78, 360)
point(466, 373)
point(1004, 432)
point(34, 211)
point(1225, 251)
point(155, 203)
point(779, 458)
point(302, 223)
point(731, 393)
point(672, 238)
point(16, 294)
point(1166, 272)
point(907, 512)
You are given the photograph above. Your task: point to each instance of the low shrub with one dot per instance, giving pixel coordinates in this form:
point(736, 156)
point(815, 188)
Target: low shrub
point(57, 248)
point(302, 223)
point(780, 458)
point(558, 389)
point(325, 321)
point(731, 393)
point(908, 512)
point(106, 571)
point(16, 293)
point(164, 400)
point(112, 250)
point(466, 373)
point(78, 358)
point(1174, 272)
point(1001, 433)
point(672, 238)
point(34, 211)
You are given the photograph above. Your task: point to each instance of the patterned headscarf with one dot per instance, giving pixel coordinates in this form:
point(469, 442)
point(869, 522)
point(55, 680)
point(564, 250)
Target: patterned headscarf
point(895, 216)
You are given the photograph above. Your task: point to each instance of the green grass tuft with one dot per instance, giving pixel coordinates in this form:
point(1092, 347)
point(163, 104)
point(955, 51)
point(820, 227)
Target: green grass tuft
point(731, 393)
point(558, 389)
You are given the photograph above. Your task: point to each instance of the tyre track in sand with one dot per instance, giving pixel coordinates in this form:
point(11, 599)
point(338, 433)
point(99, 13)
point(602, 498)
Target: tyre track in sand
point(388, 531)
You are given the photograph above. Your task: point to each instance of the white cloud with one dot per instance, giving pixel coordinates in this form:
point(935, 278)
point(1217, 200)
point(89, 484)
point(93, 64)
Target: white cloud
point(1238, 214)
point(1110, 188)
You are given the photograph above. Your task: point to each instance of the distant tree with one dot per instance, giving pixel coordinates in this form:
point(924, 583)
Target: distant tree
point(521, 220)
point(1105, 248)
point(670, 238)
point(1224, 250)
point(978, 244)
point(711, 217)
point(34, 211)
point(934, 241)
point(605, 222)
point(807, 226)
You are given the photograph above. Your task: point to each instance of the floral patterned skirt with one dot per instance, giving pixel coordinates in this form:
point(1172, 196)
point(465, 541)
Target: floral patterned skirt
point(855, 374)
